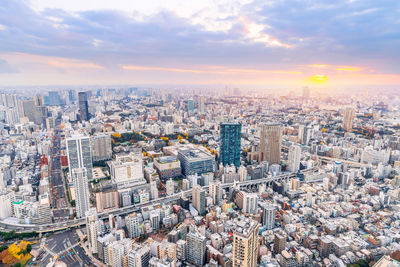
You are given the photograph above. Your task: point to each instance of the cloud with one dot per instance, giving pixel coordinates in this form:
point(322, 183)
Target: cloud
point(73, 64)
point(6, 68)
point(209, 69)
point(252, 36)
point(348, 69)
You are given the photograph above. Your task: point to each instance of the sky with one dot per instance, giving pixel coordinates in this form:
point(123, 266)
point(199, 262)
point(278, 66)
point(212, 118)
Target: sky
point(246, 43)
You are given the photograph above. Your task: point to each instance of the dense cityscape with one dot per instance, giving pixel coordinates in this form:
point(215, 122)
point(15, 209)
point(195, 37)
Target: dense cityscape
point(200, 133)
point(143, 177)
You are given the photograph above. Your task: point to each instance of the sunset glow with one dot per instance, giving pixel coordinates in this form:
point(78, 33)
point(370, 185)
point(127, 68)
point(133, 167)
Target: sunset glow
point(234, 42)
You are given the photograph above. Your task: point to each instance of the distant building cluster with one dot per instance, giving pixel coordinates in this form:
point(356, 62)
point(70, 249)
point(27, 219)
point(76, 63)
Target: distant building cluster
point(172, 178)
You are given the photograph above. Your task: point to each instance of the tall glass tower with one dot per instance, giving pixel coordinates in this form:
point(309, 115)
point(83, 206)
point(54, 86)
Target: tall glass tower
point(230, 143)
point(83, 106)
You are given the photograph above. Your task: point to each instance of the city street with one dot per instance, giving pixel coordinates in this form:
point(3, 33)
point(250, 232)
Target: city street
point(66, 247)
point(59, 199)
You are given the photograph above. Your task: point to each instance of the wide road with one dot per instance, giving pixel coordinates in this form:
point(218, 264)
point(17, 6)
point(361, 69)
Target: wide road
point(58, 195)
point(58, 226)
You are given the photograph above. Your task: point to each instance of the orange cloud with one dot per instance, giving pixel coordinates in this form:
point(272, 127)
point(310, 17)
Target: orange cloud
point(348, 69)
point(318, 65)
point(58, 62)
point(68, 63)
point(209, 70)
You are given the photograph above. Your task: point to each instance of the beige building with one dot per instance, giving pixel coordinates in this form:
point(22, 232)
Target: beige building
point(127, 170)
point(348, 117)
point(270, 143)
point(245, 245)
point(107, 200)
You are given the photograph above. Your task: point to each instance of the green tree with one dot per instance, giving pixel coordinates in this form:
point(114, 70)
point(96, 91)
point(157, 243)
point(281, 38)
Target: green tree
point(28, 248)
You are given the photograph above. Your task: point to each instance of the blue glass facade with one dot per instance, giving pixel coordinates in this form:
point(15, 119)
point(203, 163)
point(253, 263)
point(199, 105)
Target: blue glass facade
point(230, 143)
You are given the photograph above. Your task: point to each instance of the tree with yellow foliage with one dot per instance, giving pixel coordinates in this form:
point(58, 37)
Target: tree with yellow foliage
point(16, 253)
point(116, 135)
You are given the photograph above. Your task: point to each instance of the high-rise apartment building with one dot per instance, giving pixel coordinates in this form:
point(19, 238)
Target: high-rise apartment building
point(107, 200)
point(155, 220)
point(270, 143)
point(201, 104)
point(215, 191)
point(348, 117)
point(199, 199)
point(80, 154)
point(92, 229)
point(83, 106)
point(231, 134)
point(196, 248)
point(268, 217)
point(101, 147)
point(294, 158)
point(139, 257)
point(279, 243)
point(153, 190)
point(132, 224)
point(170, 185)
point(81, 186)
point(304, 134)
point(250, 203)
point(245, 245)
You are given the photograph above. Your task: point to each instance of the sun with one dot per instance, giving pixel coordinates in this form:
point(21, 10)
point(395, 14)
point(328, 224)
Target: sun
point(318, 79)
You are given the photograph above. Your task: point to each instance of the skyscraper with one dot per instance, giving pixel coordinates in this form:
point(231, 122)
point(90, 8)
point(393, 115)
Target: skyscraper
point(201, 104)
point(270, 143)
point(81, 185)
point(294, 158)
point(83, 106)
point(54, 98)
point(268, 218)
point(245, 245)
point(28, 109)
point(196, 248)
point(80, 154)
point(199, 199)
point(230, 143)
point(348, 117)
point(190, 105)
point(71, 96)
point(215, 190)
